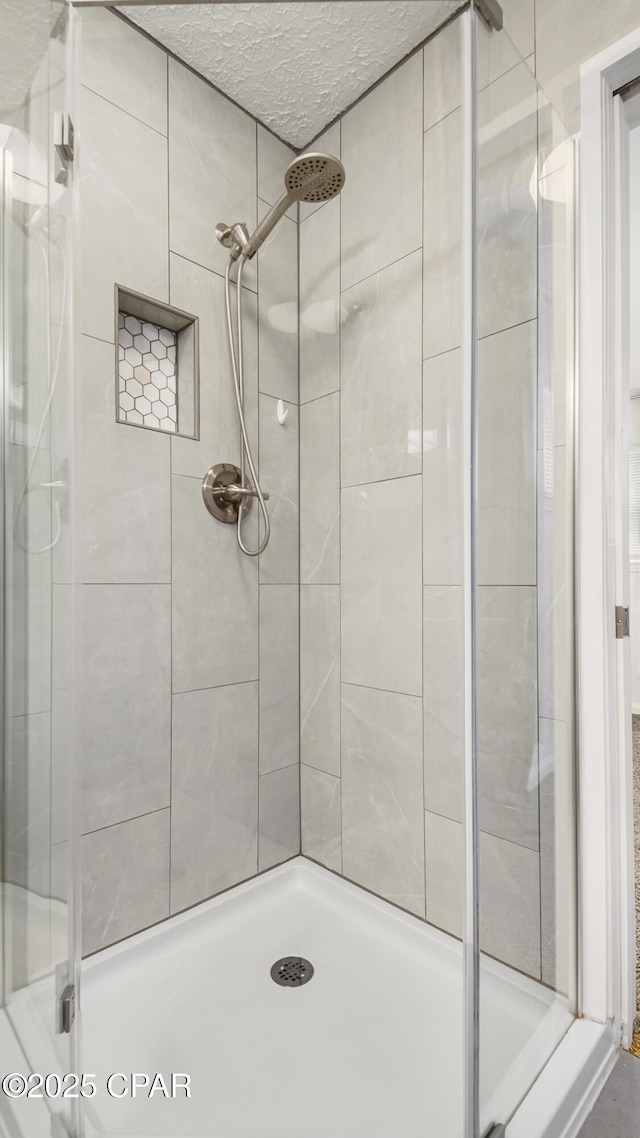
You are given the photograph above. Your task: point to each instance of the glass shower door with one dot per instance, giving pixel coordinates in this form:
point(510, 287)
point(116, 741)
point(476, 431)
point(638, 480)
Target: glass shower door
point(522, 575)
point(37, 885)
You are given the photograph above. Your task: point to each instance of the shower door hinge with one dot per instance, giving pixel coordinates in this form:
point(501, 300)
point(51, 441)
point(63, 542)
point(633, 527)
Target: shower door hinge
point(491, 13)
point(497, 1130)
point(65, 999)
point(622, 622)
point(64, 141)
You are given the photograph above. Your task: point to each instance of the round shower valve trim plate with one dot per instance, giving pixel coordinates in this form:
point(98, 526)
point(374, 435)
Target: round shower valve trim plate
point(223, 492)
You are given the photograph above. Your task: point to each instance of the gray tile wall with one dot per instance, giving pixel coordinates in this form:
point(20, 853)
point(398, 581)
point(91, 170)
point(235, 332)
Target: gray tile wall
point(381, 564)
point(190, 722)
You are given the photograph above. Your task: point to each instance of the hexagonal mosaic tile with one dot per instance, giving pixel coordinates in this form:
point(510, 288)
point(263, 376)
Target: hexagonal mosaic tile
point(147, 374)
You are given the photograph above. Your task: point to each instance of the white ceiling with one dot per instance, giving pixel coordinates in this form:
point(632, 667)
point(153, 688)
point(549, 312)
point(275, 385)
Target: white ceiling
point(295, 66)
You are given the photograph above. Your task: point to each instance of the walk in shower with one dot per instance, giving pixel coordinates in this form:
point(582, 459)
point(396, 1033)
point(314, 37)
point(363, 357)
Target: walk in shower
point(300, 826)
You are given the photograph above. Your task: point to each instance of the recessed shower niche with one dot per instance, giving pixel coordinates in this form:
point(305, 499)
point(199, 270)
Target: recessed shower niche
point(157, 365)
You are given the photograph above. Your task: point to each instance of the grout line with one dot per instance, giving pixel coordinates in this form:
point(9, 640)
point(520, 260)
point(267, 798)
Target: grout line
point(124, 821)
point(124, 111)
point(376, 272)
point(438, 122)
point(207, 269)
point(317, 398)
point(98, 339)
point(285, 767)
point(381, 481)
point(385, 691)
point(487, 833)
point(285, 216)
point(329, 774)
point(215, 687)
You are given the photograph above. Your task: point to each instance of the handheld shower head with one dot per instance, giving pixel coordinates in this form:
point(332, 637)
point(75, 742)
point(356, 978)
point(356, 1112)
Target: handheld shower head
point(314, 178)
point(309, 178)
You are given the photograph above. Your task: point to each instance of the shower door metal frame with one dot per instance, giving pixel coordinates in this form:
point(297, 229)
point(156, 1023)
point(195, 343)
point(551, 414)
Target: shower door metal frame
point(471, 936)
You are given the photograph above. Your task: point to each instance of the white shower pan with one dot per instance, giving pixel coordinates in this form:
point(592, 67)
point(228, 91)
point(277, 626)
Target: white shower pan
point(370, 1047)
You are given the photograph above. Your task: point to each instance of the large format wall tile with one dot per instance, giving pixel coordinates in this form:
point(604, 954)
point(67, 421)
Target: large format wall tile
point(273, 158)
point(321, 820)
point(125, 879)
point(555, 640)
point(442, 469)
point(509, 892)
point(520, 25)
point(507, 714)
point(506, 547)
point(381, 397)
point(279, 677)
point(27, 830)
point(125, 490)
point(212, 172)
point(214, 595)
point(124, 218)
point(496, 54)
point(138, 84)
point(507, 213)
point(510, 903)
point(280, 563)
point(214, 801)
point(329, 142)
point(444, 700)
point(557, 854)
point(444, 860)
point(555, 300)
point(126, 702)
point(442, 75)
point(320, 490)
point(30, 691)
point(320, 308)
point(320, 677)
point(382, 197)
point(382, 585)
point(278, 309)
point(279, 837)
point(201, 292)
point(442, 296)
point(382, 812)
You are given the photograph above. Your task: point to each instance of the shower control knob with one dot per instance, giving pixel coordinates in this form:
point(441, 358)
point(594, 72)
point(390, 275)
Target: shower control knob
point(223, 492)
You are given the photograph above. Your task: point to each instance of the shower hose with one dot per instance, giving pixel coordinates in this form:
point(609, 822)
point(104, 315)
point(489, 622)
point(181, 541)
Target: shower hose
point(237, 364)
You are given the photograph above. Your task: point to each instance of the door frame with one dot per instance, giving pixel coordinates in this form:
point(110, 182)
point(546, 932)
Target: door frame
point(607, 911)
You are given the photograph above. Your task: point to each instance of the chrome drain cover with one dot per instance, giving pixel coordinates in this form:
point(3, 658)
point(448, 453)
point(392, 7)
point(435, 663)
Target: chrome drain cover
point(292, 971)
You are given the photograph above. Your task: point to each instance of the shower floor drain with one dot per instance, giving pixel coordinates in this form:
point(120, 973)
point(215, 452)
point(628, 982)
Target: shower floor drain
point(292, 971)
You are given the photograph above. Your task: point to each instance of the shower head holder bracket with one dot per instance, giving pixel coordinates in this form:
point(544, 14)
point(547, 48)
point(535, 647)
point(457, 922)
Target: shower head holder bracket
point(233, 237)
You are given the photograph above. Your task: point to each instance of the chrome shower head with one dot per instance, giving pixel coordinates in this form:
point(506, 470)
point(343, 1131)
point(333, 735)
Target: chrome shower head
point(309, 178)
point(314, 177)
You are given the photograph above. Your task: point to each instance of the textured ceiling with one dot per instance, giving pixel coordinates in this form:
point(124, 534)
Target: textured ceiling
point(294, 66)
